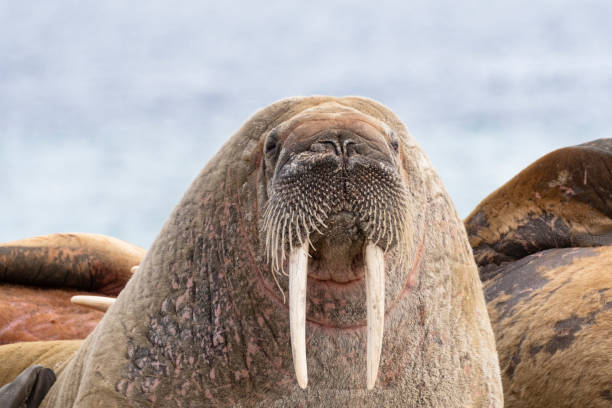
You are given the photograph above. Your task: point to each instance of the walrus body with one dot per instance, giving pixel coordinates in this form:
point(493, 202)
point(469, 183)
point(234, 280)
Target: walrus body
point(543, 243)
point(39, 275)
point(305, 182)
point(36, 314)
point(51, 354)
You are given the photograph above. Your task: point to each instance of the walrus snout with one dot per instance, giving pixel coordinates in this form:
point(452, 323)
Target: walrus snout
point(333, 150)
point(325, 168)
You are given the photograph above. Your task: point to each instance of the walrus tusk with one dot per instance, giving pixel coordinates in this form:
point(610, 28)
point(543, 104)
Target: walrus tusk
point(100, 303)
point(375, 299)
point(298, 268)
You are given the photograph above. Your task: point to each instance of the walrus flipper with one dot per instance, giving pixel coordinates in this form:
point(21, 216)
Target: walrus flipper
point(28, 389)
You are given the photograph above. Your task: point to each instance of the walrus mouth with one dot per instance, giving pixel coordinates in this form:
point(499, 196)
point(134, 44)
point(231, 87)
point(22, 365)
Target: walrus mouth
point(337, 174)
point(375, 299)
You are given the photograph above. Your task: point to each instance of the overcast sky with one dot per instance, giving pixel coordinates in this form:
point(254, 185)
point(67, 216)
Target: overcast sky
point(109, 109)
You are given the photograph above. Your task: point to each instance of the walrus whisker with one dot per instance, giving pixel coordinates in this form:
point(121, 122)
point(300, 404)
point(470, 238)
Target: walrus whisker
point(276, 247)
point(399, 228)
point(314, 226)
point(279, 286)
point(298, 230)
point(290, 231)
point(384, 227)
point(312, 223)
point(320, 220)
point(326, 205)
point(376, 232)
point(393, 230)
point(282, 237)
point(268, 229)
point(305, 226)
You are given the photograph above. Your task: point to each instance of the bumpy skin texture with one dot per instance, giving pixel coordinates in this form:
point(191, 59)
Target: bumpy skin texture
point(542, 242)
point(203, 324)
point(38, 276)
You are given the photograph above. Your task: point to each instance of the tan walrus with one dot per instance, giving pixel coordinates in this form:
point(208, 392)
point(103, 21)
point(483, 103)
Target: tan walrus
point(543, 242)
point(384, 307)
point(39, 275)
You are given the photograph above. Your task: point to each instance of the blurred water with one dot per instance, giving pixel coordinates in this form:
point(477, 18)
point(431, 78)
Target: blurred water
point(109, 109)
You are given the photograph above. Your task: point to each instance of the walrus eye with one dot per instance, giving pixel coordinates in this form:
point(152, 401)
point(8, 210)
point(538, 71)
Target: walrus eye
point(394, 143)
point(271, 144)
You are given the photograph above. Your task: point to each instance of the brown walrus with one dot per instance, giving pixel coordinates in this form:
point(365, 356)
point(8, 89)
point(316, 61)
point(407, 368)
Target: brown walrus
point(336, 193)
point(39, 275)
point(543, 243)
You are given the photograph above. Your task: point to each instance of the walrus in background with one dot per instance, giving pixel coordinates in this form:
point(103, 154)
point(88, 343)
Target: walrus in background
point(543, 242)
point(39, 275)
point(384, 307)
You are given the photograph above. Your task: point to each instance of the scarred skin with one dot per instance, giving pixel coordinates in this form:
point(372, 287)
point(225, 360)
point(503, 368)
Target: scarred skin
point(39, 275)
point(543, 244)
point(202, 322)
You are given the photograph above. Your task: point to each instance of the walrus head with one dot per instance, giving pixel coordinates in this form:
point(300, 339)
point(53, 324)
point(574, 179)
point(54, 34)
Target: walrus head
point(336, 192)
point(335, 203)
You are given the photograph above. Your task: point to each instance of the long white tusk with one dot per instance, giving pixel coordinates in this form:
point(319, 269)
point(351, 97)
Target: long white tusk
point(298, 268)
point(100, 303)
point(134, 269)
point(375, 298)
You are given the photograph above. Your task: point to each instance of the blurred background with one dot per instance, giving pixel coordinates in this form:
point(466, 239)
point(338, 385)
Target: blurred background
point(108, 110)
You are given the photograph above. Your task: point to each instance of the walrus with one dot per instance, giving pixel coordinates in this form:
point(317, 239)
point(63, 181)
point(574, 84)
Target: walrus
point(382, 305)
point(543, 242)
point(39, 275)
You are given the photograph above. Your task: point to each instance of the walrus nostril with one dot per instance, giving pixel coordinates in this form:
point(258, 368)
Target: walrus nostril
point(349, 148)
point(326, 146)
point(345, 148)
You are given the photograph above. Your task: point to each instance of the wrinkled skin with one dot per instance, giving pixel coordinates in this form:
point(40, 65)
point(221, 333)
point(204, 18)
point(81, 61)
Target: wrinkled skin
point(203, 323)
point(543, 243)
point(39, 275)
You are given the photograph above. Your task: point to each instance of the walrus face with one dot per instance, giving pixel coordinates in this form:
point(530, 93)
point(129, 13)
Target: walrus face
point(336, 205)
